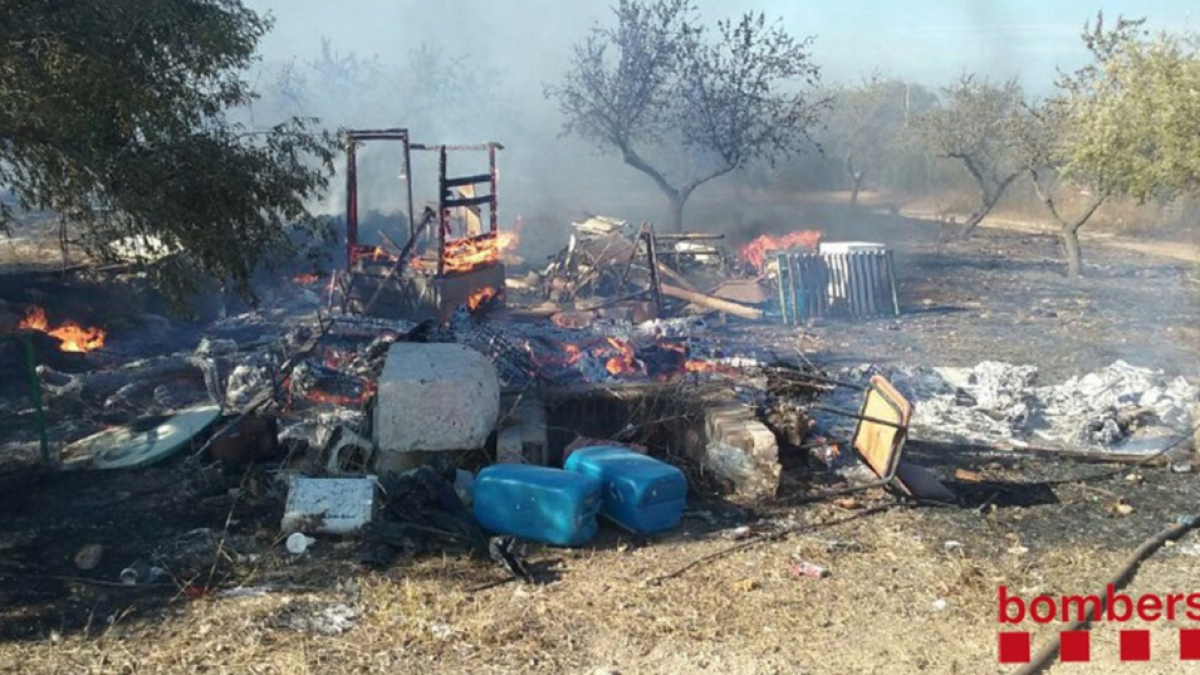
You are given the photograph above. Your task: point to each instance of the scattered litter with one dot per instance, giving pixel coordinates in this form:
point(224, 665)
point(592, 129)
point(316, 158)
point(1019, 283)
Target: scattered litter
point(747, 585)
point(422, 512)
point(141, 443)
point(244, 592)
point(807, 569)
point(505, 551)
point(939, 605)
point(141, 572)
point(88, 557)
point(298, 543)
point(742, 532)
point(953, 545)
point(1121, 508)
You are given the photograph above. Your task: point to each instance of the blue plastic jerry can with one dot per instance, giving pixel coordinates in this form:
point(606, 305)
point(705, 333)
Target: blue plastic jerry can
point(639, 493)
point(537, 503)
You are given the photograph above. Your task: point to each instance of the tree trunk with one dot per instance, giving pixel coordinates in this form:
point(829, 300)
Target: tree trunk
point(855, 188)
point(974, 219)
point(856, 178)
point(676, 215)
point(1070, 237)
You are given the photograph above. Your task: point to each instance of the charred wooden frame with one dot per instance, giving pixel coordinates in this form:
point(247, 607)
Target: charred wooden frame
point(354, 138)
point(388, 289)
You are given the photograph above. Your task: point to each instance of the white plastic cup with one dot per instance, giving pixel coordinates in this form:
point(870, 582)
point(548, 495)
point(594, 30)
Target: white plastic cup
point(298, 543)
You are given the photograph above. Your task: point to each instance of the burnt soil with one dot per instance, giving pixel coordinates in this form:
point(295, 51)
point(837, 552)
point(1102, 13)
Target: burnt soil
point(911, 589)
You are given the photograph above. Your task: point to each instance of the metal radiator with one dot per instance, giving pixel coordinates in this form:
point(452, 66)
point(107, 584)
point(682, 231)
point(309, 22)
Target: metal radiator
point(838, 283)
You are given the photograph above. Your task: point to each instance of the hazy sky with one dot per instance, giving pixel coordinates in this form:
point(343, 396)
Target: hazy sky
point(929, 41)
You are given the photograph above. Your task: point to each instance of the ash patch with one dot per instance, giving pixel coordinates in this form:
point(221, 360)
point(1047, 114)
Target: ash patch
point(1119, 408)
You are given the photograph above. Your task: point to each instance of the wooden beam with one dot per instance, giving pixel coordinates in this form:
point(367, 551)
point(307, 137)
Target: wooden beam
point(713, 303)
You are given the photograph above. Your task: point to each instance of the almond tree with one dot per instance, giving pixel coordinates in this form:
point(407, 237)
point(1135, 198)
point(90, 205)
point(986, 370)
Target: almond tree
point(973, 127)
point(113, 115)
point(867, 126)
point(1125, 124)
point(659, 83)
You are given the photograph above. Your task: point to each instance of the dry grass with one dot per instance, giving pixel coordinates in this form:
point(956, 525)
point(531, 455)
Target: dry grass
point(740, 614)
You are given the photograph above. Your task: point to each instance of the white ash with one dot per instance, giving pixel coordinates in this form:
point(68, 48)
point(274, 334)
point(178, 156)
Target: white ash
point(247, 380)
point(216, 347)
point(1121, 407)
point(686, 327)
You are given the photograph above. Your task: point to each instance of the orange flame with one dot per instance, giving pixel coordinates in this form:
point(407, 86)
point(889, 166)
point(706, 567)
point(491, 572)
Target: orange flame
point(625, 362)
point(755, 253)
point(481, 297)
point(75, 338)
point(468, 253)
point(306, 279)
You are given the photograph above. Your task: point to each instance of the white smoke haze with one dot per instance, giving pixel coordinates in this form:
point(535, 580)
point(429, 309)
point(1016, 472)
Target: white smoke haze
point(471, 71)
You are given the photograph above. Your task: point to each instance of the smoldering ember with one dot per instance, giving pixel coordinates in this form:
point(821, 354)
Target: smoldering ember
point(666, 351)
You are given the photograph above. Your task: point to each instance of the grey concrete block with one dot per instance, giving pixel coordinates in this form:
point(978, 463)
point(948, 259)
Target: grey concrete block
point(434, 398)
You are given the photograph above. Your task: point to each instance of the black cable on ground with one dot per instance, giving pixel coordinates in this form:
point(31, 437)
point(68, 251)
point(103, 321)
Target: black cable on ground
point(1045, 655)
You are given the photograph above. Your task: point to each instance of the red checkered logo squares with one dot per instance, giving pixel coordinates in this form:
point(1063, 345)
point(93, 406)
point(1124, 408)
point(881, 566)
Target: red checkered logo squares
point(1135, 645)
point(1189, 645)
point(1014, 647)
point(1075, 646)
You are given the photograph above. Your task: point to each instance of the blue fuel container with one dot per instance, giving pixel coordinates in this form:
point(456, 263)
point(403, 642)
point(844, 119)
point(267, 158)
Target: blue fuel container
point(537, 503)
point(639, 493)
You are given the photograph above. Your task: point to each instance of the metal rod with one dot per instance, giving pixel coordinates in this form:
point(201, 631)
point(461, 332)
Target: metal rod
point(469, 180)
point(783, 306)
point(405, 253)
point(637, 241)
point(35, 397)
point(652, 258)
point(408, 180)
point(493, 205)
point(688, 236)
point(891, 269)
point(859, 416)
point(796, 302)
point(477, 147)
point(443, 212)
point(351, 202)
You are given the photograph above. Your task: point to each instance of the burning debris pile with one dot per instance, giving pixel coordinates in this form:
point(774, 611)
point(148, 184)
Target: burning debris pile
point(73, 337)
point(1120, 408)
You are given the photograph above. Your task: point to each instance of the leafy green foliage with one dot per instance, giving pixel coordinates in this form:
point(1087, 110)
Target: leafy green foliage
point(1132, 114)
point(659, 81)
point(113, 115)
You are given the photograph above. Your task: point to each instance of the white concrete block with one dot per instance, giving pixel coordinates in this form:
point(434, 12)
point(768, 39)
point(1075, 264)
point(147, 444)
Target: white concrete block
point(329, 505)
point(432, 398)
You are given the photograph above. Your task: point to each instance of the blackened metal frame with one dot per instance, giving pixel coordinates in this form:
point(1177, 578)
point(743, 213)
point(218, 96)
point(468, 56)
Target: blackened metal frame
point(354, 137)
point(889, 478)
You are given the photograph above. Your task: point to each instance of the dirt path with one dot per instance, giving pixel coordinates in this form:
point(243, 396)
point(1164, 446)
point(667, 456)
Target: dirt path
point(1165, 249)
